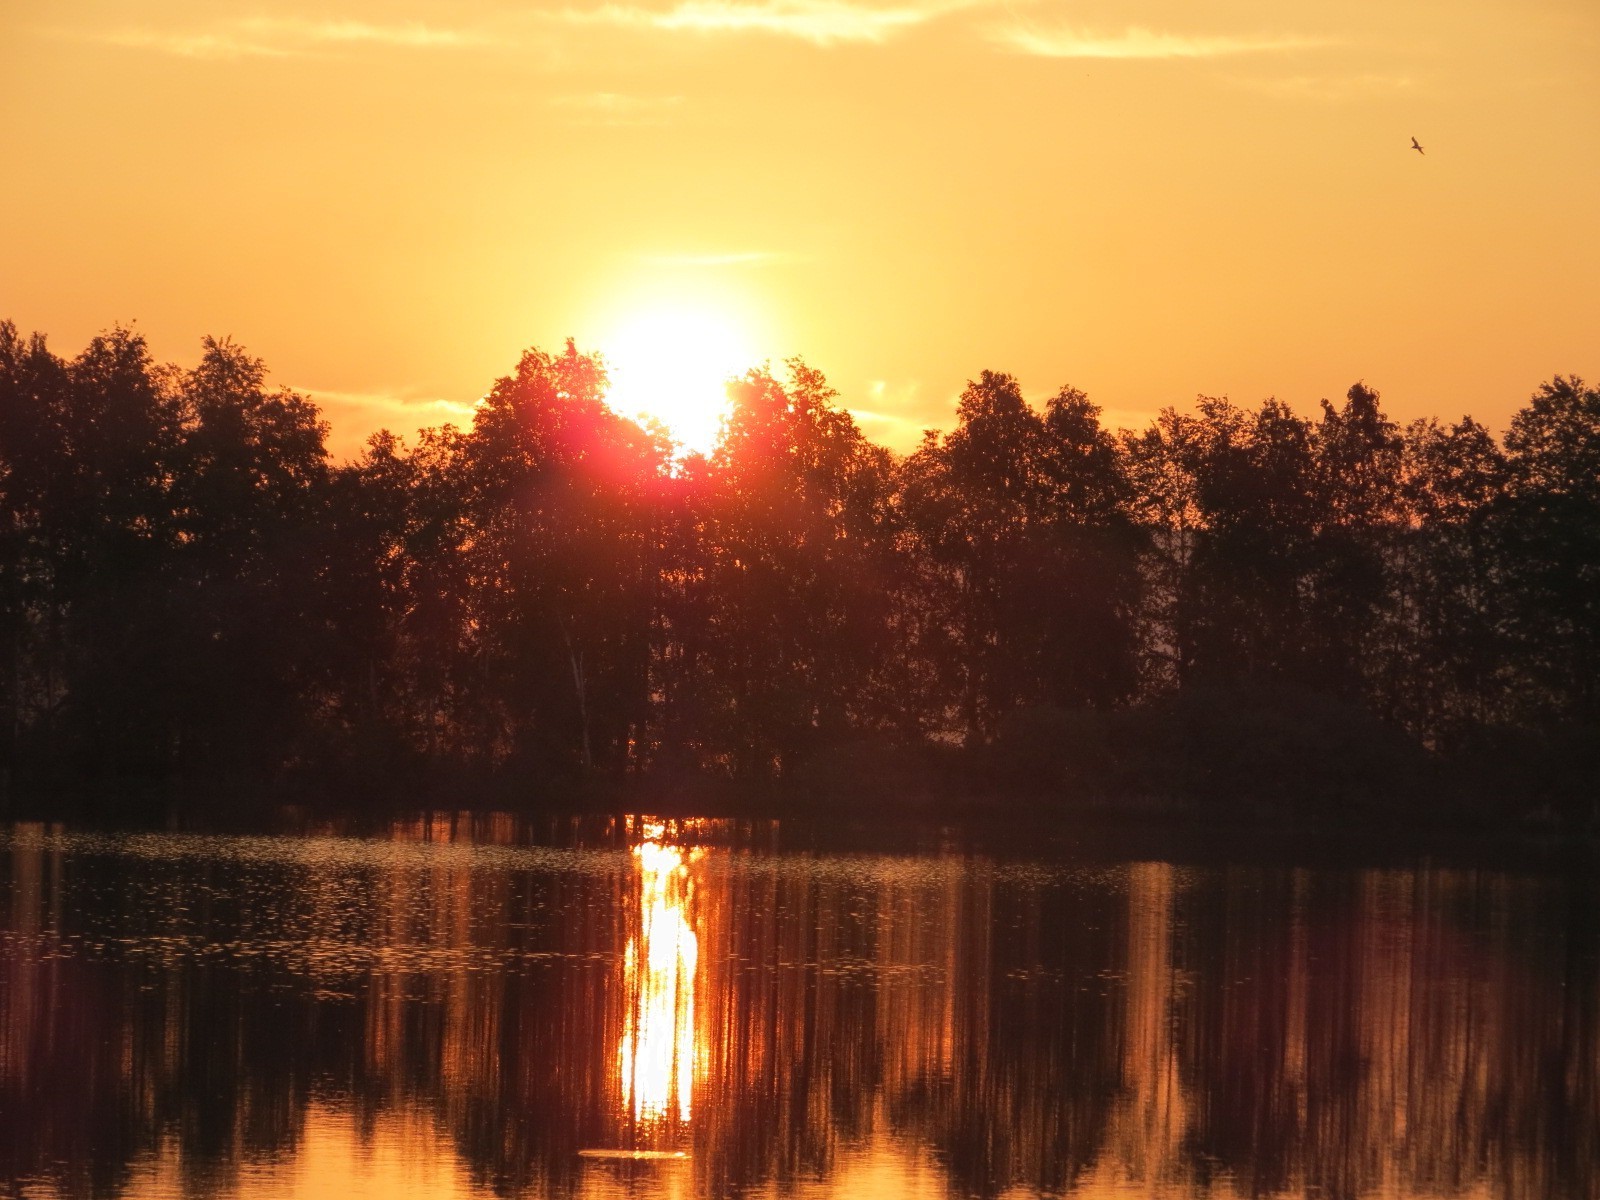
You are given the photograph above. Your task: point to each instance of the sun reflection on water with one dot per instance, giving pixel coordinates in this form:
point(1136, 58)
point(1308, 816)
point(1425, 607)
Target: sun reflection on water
point(451, 1016)
point(656, 1055)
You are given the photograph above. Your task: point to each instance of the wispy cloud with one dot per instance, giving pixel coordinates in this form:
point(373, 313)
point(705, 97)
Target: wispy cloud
point(403, 400)
point(411, 33)
point(183, 44)
point(1140, 43)
point(282, 37)
point(745, 258)
point(821, 22)
point(355, 415)
point(617, 108)
point(896, 413)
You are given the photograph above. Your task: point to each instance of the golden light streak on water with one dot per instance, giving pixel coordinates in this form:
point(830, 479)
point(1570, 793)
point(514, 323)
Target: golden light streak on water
point(399, 1154)
point(443, 1017)
point(656, 1054)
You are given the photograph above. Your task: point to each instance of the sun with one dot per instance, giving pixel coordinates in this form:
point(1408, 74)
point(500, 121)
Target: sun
point(673, 364)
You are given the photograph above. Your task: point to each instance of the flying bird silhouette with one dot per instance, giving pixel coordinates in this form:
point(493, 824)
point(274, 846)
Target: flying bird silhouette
point(1415, 145)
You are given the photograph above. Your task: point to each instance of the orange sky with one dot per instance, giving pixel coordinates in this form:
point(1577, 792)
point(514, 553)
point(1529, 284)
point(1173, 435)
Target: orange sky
point(1146, 200)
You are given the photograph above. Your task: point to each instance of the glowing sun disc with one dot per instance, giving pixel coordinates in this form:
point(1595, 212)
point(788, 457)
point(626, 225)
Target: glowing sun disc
point(674, 365)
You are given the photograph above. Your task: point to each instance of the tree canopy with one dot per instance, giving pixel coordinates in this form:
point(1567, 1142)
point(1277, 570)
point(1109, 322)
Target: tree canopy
point(191, 589)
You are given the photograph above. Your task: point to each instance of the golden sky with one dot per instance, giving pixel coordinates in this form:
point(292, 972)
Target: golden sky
point(389, 201)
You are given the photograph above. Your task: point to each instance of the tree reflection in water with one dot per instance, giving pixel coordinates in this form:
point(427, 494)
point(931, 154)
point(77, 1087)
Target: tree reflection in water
point(460, 1008)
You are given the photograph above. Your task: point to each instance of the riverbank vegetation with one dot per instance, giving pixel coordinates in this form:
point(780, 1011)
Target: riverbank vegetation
point(1236, 609)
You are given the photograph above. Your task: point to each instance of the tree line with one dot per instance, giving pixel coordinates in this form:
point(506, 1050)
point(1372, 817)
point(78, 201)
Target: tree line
point(1231, 605)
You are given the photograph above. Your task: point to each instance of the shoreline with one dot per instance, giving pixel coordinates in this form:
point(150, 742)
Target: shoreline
point(1004, 825)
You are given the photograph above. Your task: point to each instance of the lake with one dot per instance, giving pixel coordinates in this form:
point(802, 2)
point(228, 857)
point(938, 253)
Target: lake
point(484, 1007)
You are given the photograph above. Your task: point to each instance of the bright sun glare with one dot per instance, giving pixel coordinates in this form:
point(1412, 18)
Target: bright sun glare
point(674, 365)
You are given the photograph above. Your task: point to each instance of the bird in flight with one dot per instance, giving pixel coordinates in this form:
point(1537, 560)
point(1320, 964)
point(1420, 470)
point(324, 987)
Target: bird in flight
point(1417, 146)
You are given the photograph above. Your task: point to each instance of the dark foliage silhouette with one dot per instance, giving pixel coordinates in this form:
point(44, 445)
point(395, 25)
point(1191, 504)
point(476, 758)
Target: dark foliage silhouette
point(1236, 607)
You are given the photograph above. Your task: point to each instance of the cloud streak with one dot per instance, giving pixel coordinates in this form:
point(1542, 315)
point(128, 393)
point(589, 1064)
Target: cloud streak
point(277, 37)
point(411, 34)
point(821, 22)
point(185, 45)
point(392, 402)
point(1139, 43)
point(355, 416)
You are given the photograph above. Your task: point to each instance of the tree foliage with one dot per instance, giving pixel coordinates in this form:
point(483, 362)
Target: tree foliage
point(190, 589)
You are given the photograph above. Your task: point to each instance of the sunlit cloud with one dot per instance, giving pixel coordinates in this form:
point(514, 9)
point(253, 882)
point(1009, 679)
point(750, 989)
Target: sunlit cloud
point(748, 258)
point(185, 45)
point(1138, 43)
point(357, 415)
point(900, 434)
point(617, 108)
point(821, 22)
point(410, 407)
point(895, 414)
point(412, 33)
point(282, 37)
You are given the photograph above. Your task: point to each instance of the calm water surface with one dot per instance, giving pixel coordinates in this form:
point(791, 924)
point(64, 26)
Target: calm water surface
point(461, 1008)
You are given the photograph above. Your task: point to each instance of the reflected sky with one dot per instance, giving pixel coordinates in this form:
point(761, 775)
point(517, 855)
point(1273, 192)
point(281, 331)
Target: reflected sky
point(463, 1006)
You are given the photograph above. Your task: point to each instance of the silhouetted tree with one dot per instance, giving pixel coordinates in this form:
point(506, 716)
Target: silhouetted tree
point(106, 437)
point(1451, 644)
point(254, 635)
point(33, 458)
point(1547, 556)
point(1550, 544)
point(1031, 589)
point(189, 590)
point(793, 596)
point(1360, 527)
point(558, 493)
